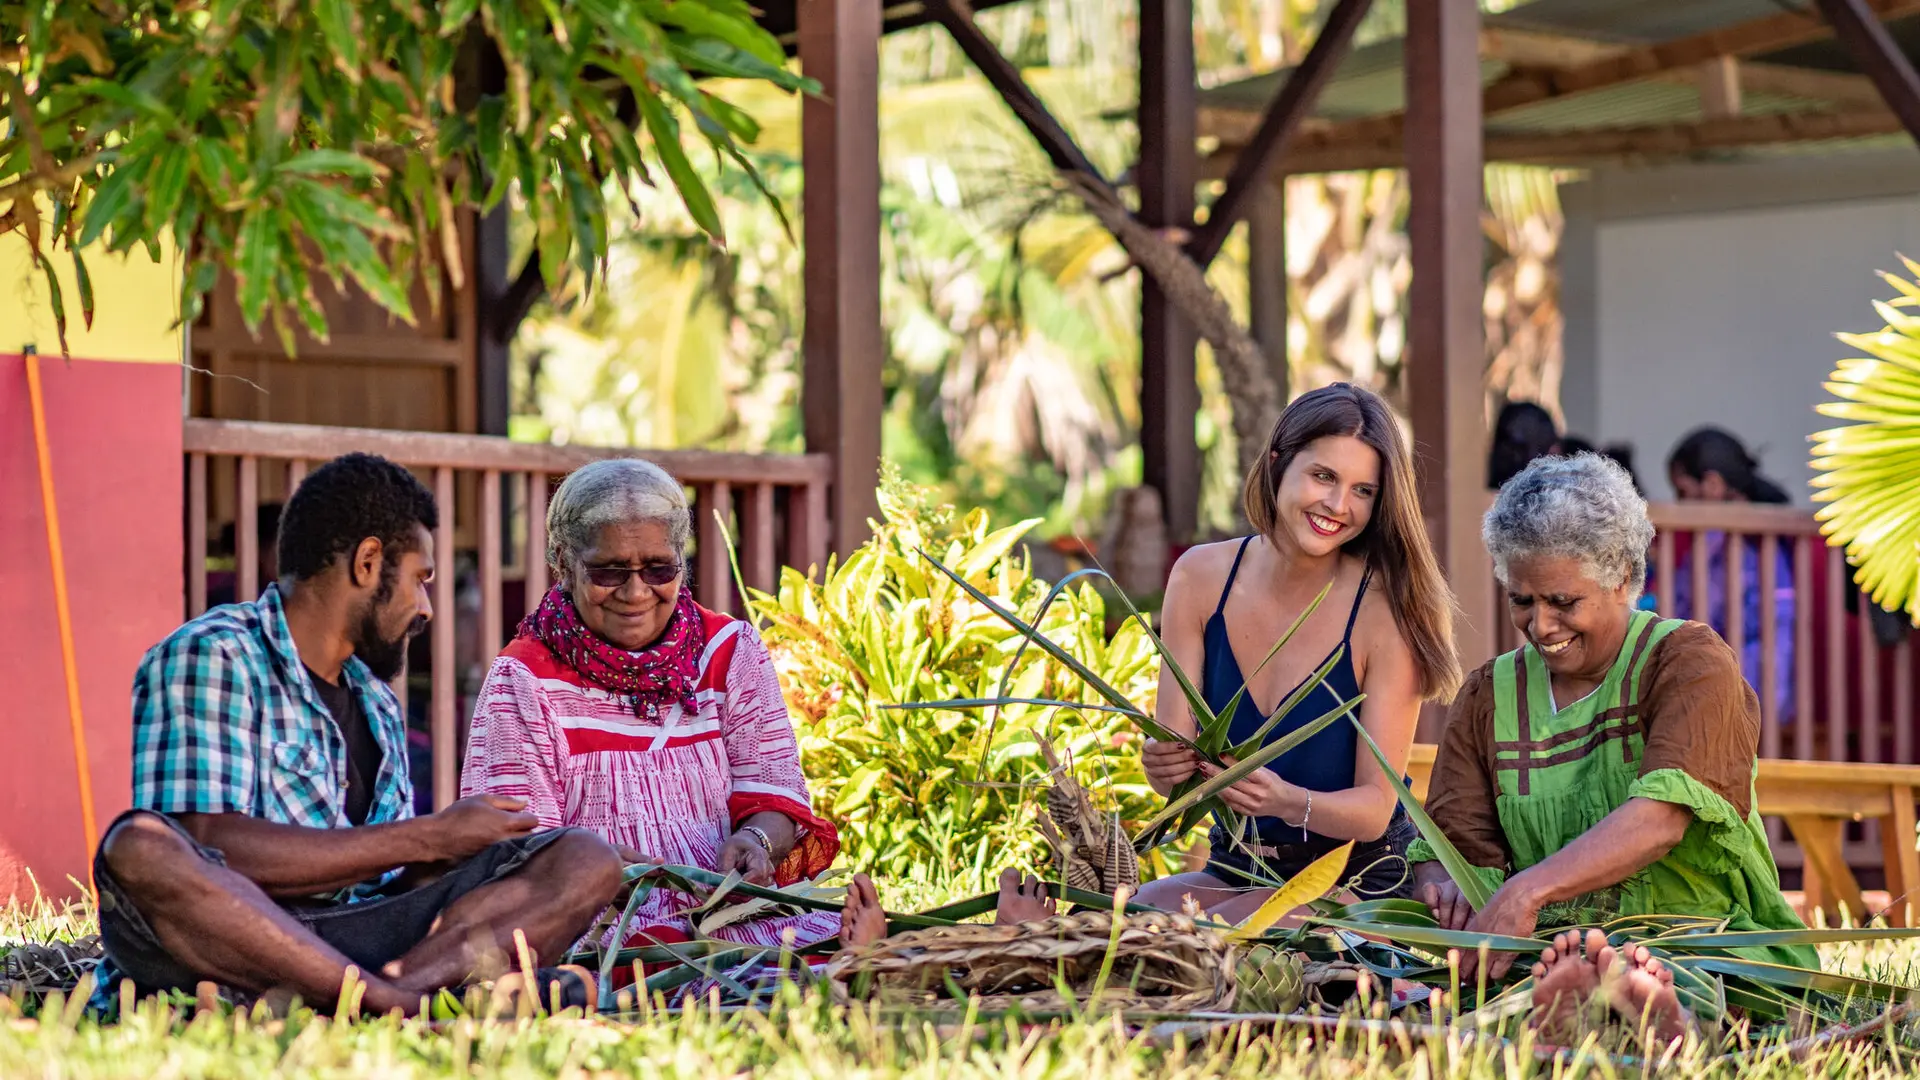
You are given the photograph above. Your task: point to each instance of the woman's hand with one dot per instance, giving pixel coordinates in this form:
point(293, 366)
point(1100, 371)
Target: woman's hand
point(630, 856)
point(1260, 793)
point(743, 852)
point(1449, 906)
point(1168, 764)
point(1512, 912)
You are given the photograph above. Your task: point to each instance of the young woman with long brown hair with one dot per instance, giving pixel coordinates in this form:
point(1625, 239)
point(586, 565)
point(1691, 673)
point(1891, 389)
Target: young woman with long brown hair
point(1333, 502)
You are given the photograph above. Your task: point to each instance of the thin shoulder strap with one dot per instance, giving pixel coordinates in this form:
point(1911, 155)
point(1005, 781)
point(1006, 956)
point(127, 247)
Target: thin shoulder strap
point(1358, 595)
point(1232, 573)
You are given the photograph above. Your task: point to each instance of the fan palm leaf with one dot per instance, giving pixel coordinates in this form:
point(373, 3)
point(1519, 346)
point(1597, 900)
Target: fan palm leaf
point(1869, 471)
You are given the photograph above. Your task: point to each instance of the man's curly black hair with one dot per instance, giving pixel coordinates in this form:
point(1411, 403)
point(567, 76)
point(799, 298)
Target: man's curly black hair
point(346, 501)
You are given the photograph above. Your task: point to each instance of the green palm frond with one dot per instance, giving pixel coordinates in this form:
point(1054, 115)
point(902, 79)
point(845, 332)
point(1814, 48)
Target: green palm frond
point(1869, 471)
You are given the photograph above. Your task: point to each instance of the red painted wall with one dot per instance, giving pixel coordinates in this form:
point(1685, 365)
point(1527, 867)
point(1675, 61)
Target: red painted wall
point(114, 433)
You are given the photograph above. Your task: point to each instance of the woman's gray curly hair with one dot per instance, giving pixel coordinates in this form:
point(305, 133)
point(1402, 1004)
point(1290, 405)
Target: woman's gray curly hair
point(1582, 507)
point(615, 491)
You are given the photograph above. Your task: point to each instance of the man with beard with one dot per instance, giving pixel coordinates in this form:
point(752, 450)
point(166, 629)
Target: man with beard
point(272, 846)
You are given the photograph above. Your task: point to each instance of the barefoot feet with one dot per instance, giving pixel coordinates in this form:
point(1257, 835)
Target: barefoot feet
point(1563, 982)
point(1637, 987)
point(1023, 898)
point(1642, 993)
point(862, 922)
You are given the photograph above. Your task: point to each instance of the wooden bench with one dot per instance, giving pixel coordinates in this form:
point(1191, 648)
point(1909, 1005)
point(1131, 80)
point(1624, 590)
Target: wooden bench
point(1817, 799)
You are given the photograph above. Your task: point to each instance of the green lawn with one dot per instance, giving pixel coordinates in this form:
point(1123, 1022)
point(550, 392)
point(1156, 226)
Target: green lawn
point(808, 1038)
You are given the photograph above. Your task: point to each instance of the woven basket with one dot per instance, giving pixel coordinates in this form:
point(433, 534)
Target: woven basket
point(1161, 962)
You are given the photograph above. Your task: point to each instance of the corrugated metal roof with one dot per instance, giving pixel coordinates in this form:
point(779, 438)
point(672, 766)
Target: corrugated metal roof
point(1633, 20)
point(1631, 103)
point(1371, 80)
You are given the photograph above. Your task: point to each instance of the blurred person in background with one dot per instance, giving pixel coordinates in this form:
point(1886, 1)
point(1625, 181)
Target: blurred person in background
point(1711, 465)
point(1523, 431)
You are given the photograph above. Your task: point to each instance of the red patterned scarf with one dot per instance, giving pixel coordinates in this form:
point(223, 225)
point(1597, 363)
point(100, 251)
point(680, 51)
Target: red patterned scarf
point(653, 678)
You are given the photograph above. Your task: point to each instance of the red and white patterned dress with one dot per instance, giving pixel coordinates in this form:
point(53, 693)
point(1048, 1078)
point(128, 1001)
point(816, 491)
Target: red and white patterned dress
point(672, 790)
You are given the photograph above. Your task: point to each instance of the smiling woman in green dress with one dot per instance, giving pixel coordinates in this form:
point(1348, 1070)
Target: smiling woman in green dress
point(1607, 763)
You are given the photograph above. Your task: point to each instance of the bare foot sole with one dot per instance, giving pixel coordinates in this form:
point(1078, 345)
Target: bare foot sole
point(1640, 990)
point(862, 922)
point(1023, 898)
point(1635, 985)
point(1563, 982)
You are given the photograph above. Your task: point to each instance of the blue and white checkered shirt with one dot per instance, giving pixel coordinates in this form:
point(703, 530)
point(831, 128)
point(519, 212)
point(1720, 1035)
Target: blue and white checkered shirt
point(227, 721)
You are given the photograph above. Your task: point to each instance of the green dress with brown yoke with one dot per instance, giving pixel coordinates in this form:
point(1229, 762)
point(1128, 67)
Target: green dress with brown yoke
point(1518, 778)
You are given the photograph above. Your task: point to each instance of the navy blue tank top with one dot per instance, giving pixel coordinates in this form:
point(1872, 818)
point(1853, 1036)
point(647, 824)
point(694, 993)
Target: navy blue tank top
point(1322, 763)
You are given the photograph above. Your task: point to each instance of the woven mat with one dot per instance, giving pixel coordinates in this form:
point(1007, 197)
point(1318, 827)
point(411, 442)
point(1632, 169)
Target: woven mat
point(1161, 961)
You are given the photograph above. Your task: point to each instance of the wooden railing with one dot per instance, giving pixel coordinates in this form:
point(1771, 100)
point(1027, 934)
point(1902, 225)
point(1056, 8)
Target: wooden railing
point(492, 495)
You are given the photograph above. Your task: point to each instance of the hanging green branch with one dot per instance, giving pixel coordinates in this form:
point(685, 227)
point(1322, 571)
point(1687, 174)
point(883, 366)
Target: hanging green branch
point(343, 137)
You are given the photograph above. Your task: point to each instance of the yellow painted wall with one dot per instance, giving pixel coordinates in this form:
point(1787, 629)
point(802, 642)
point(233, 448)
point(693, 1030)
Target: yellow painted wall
point(136, 305)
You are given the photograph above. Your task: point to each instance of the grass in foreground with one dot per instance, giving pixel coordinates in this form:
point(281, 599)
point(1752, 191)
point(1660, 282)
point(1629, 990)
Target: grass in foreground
point(804, 1037)
point(808, 1039)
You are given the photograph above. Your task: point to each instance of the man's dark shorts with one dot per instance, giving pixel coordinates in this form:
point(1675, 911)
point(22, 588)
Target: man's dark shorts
point(371, 932)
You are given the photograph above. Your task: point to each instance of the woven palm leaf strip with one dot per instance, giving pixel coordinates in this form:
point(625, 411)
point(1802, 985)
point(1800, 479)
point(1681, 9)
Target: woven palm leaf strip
point(1161, 962)
point(40, 968)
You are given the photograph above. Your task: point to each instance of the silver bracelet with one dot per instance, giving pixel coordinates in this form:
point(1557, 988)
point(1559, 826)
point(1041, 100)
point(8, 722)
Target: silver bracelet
point(766, 841)
point(1302, 823)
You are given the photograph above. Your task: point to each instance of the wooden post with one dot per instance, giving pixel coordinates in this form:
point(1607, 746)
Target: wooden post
point(490, 280)
point(442, 716)
point(1447, 348)
point(843, 345)
point(1878, 56)
point(1720, 95)
point(1267, 277)
point(1169, 396)
point(196, 535)
point(1283, 115)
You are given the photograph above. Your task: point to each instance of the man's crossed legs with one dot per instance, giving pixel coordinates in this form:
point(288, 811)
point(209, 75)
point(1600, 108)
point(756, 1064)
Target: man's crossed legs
point(172, 914)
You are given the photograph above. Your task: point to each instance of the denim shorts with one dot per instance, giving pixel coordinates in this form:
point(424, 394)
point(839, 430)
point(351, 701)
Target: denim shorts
point(372, 932)
point(1381, 865)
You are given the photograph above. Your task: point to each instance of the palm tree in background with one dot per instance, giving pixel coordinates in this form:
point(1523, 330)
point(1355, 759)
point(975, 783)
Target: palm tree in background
point(1012, 374)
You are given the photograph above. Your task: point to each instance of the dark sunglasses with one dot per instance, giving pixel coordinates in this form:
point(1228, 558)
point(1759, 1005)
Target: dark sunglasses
point(612, 577)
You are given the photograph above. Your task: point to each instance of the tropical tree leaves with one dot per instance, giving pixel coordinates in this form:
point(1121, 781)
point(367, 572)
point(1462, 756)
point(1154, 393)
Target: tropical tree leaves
point(343, 136)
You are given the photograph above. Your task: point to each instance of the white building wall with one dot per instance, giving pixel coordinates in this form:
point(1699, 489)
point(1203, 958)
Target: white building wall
point(1713, 294)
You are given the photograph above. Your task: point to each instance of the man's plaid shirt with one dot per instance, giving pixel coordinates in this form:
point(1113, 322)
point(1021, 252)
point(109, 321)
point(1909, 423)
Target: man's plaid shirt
point(226, 721)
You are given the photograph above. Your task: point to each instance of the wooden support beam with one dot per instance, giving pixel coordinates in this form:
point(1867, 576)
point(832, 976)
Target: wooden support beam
point(1447, 350)
point(1719, 82)
point(1839, 91)
point(1169, 394)
point(1540, 49)
point(1858, 27)
point(1648, 142)
point(842, 347)
point(1844, 92)
point(1283, 116)
point(490, 243)
point(1267, 279)
point(1065, 154)
point(507, 309)
point(1529, 85)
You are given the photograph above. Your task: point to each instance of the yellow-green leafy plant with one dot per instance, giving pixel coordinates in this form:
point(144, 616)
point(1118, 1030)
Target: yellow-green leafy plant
point(1869, 471)
point(937, 793)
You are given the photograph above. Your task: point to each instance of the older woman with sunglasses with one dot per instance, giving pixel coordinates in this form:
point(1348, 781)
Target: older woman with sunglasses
point(623, 707)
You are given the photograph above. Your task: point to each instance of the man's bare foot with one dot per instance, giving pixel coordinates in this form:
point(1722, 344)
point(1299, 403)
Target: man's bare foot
point(1563, 981)
point(1023, 898)
point(862, 922)
point(1640, 990)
